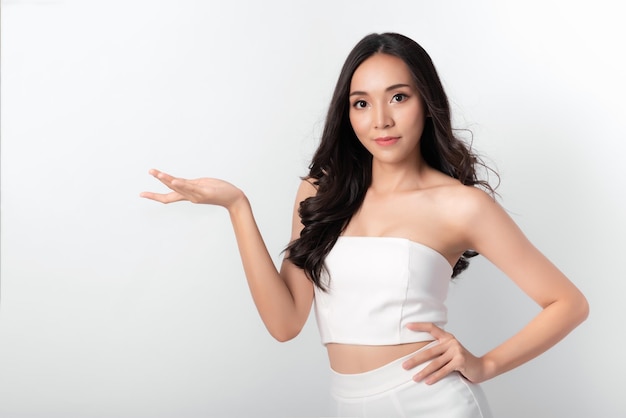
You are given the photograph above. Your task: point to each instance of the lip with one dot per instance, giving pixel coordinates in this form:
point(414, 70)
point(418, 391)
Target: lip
point(386, 140)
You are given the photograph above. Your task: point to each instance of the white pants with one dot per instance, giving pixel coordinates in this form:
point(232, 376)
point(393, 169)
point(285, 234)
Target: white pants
point(390, 391)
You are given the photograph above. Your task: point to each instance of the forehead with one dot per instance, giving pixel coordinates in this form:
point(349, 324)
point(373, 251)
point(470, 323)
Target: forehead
point(379, 72)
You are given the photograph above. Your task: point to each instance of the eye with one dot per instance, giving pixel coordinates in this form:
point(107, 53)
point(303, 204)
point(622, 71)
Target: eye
point(399, 97)
point(360, 104)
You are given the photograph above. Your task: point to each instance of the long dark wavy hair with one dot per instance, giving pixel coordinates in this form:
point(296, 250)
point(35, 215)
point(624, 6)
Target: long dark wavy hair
point(341, 168)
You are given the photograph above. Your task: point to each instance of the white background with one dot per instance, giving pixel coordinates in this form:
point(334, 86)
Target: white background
point(114, 306)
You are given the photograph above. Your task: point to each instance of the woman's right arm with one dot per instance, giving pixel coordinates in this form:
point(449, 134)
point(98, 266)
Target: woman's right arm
point(283, 298)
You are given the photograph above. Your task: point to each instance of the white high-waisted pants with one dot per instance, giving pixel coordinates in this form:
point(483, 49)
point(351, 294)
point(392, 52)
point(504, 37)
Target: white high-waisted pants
point(390, 391)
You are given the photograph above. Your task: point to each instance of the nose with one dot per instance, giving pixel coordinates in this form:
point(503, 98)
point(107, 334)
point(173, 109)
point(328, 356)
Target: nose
point(382, 118)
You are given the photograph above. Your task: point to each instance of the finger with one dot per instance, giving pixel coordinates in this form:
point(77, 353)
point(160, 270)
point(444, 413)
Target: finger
point(163, 198)
point(164, 178)
point(439, 374)
point(431, 368)
point(185, 189)
point(156, 173)
point(420, 326)
point(428, 327)
point(423, 357)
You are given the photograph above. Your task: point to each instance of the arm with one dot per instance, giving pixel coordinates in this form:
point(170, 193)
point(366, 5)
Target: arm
point(283, 298)
point(489, 230)
point(494, 234)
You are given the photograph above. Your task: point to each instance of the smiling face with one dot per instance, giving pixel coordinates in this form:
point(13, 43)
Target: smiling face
point(386, 111)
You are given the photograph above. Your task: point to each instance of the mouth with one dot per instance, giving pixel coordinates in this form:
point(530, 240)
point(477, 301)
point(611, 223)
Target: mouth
point(386, 140)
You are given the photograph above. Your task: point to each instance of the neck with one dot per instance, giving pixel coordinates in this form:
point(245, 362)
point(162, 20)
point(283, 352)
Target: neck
point(389, 178)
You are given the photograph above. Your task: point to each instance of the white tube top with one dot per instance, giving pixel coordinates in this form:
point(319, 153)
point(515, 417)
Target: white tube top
point(377, 286)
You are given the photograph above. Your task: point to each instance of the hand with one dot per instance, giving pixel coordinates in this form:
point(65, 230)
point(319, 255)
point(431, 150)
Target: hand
point(204, 190)
point(448, 356)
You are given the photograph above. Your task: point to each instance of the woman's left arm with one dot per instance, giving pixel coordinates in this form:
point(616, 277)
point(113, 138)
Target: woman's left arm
point(488, 229)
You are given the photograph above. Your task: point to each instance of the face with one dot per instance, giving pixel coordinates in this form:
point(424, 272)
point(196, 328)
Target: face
point(386, 110)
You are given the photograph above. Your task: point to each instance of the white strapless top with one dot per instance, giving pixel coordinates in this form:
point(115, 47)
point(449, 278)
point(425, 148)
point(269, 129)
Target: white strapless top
point(377, 286)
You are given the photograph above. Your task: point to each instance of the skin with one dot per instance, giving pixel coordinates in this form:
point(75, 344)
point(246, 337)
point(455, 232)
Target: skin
point(411, 200)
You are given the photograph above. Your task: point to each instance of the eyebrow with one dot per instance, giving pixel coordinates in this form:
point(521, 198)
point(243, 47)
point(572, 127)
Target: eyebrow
point(393, 87)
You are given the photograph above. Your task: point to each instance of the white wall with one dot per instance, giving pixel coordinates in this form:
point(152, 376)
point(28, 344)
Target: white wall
point(114, 306)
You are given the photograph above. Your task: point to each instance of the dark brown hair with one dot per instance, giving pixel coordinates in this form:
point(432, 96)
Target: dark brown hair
point(341, 167)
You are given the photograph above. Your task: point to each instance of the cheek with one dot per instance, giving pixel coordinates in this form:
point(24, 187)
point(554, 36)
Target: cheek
point(359, 123)
point(414, 118)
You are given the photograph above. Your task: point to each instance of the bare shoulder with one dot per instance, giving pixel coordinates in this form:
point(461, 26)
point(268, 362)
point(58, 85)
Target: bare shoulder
point(461, 199)
point(471, 200)
point(480, 220)
point(458, 205)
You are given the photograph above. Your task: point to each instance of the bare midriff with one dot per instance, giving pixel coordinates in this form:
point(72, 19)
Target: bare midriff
point(350, 359)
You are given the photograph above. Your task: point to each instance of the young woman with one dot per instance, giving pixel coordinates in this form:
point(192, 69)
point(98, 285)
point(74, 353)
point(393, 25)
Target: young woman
point(391, 209)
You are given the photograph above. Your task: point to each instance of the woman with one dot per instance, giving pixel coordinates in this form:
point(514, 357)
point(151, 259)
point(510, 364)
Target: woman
point(390, 211)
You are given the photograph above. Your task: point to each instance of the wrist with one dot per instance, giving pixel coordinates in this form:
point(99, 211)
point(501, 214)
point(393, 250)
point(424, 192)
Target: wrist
point(239, 204)
point(490, 368)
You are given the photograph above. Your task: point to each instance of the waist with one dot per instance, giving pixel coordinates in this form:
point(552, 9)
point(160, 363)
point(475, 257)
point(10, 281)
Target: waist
point(351, 358)
point(378, 379)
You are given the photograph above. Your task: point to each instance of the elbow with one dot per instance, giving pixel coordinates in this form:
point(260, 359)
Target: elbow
point(284, 334)
point(283, 337)
point(577, 308)
point(582, 308)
